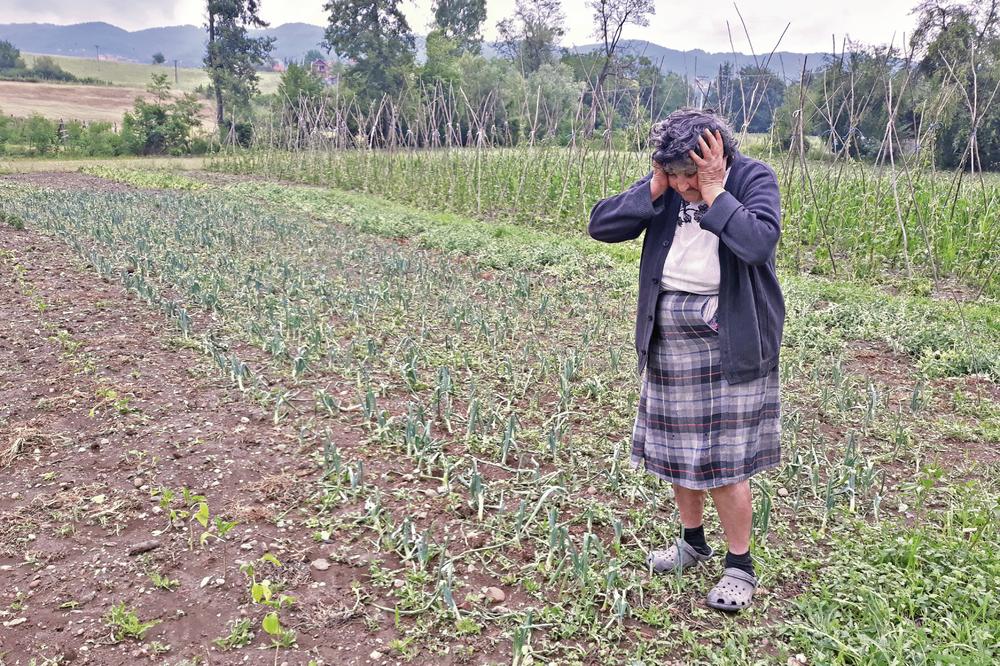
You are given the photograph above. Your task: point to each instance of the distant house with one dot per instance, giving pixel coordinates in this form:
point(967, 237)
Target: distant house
point(278, 67)
point(320, 68)
point(323, 70)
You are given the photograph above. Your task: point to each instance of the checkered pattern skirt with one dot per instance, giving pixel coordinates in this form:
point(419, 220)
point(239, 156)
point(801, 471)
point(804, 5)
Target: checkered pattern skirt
point(693, 427)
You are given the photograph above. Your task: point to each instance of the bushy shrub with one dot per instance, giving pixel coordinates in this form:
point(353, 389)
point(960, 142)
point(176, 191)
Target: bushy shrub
point(159, 127)
point(41, 134)
point(47, 68)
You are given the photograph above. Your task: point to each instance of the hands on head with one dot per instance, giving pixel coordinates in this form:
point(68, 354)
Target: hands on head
point(706, 182)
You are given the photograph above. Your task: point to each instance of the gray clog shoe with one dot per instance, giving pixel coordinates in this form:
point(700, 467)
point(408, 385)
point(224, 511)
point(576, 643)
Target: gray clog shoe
point(681, 554)
point(734, 592)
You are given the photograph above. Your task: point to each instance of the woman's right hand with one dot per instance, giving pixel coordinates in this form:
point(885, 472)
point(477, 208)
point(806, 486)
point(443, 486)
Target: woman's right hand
point(659, 183)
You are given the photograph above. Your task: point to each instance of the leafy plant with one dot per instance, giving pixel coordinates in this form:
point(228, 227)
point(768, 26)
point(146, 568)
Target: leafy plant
point(124, 623)
point(240, 634)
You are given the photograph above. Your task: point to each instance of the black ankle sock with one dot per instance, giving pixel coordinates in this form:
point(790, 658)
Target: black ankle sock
point(695, 537)
point(742, 562)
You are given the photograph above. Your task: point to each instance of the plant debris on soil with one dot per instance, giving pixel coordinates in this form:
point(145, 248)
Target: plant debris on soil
point(233, 433)
point(99, 409)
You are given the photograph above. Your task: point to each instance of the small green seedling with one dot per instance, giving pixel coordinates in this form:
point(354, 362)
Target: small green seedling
point(240, 635)
point(124, 623)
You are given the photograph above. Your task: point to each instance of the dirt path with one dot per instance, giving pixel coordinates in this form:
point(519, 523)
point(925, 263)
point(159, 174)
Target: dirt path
point(100, 406)
point(67, 180)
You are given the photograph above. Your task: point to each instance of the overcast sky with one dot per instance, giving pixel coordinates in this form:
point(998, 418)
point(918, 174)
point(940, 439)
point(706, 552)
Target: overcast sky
point(679, 25)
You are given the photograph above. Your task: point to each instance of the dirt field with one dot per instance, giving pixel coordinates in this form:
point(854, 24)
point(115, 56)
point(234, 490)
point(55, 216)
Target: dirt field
point(25, 166)
point(70, 102)
point(82, 467)
point(117, 427)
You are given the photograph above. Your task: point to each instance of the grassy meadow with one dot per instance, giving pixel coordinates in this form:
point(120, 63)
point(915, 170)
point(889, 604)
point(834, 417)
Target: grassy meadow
point(137, 75)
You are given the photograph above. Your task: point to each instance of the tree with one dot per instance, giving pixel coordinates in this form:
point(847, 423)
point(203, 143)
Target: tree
point(637, 92)
point(442, 62)
point(299, 84)
point(529, 37)
point(748, 99)
point(552, 92)
point(298, 102)
point(959, 51)
point(611, 17)
point(311, 56)
point(159, 87)
point(375, 35)
point(158, 58)
point(231, 54)
point(10, 56)
point(153, 128)
point(40, 133)
point(46, 67)
point(493, 88)
point(460, 21)
point(945, 32)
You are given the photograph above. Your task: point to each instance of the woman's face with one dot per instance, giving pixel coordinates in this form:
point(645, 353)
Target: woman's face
point(686, 184)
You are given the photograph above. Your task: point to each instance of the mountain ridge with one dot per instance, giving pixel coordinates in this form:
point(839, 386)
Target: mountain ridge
point(186, 44)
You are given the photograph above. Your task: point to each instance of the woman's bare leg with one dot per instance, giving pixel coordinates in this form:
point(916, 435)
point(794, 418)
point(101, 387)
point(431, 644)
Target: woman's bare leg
point(691, 505)
point(733, 503)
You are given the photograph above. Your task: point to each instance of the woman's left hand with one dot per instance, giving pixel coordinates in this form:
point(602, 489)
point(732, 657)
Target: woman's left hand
point(711, 165)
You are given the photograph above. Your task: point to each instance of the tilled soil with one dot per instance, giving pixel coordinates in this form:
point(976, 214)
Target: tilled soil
point(101, 406)
point(67, 180)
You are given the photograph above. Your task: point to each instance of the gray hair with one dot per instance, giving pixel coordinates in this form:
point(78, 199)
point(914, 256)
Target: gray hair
point(672, 138)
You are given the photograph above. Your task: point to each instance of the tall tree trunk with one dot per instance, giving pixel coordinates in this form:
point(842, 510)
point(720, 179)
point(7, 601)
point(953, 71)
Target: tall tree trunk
point(597, 101)
point(219, 111)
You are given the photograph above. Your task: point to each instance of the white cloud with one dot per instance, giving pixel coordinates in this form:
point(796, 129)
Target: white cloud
point(680, 25)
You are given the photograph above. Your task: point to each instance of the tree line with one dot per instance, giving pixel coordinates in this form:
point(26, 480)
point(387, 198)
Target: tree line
point(933, 95)
point(937, 88)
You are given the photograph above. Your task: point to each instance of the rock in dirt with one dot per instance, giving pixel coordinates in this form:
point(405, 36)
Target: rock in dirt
point(320, 564)
point(143, 547)
point(496, 595)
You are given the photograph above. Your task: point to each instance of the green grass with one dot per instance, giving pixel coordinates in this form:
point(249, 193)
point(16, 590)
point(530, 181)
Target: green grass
point(137, 75)
point(926, 594)
point(143, 178)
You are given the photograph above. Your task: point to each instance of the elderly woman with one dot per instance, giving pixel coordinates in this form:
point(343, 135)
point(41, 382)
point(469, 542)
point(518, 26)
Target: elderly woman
point(708, 330)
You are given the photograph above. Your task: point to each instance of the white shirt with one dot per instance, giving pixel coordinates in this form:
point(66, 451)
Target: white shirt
point(692, 263)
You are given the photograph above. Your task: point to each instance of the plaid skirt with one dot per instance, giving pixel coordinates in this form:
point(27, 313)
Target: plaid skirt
point(693, 427)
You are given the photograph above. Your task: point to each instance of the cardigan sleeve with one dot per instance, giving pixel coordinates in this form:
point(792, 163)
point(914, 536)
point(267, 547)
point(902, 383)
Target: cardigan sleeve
point(624, 216)
point(749, 227)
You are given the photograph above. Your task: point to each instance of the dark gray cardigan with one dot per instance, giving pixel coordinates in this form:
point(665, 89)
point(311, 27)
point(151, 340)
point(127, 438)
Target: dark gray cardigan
point(747, 220)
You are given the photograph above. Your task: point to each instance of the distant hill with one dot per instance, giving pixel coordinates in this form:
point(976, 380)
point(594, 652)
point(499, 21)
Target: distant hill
point(186, 44)
point(702, 63)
